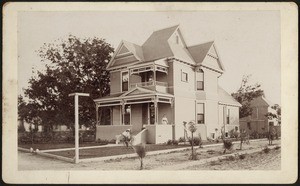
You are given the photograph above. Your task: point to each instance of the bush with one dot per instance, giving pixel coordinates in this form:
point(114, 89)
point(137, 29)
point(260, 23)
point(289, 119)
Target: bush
point(210, 151)
point(266, 150)
point(181, 139)
point(277, 148)
point(227, 144)
point(172, 142)
point(102, 142)
point(196, 141)
point(242, 156)
point(194, 156)
point(112, 141)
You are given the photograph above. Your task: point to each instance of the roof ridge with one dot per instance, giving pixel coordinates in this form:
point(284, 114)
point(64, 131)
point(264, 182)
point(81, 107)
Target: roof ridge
point(177, 25)
point(201, 44)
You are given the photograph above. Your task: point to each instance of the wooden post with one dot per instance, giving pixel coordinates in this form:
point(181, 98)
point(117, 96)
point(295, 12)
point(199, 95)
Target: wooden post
point(97, 114)
point(123, 112)
point(156, 111)
point(77, 123)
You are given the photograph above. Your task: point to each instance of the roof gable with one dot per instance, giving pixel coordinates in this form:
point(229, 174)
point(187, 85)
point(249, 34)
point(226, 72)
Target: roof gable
point(207, 55)
point(125, 54)
point(136, 91)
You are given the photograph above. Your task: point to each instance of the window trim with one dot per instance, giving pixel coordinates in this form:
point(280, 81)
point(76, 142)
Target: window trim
point(187, 76)
point(121, 84)
point(198, 113)
point(200, 71)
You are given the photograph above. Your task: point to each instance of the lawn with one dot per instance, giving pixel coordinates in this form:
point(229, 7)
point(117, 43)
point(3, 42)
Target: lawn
point(47, 146)
point(112, 151)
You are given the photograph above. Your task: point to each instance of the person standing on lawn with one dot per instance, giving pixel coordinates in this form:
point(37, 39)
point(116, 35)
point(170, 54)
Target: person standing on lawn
point(126, 136)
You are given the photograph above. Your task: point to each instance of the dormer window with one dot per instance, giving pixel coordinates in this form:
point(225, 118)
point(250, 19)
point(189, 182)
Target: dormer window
point(200, 80)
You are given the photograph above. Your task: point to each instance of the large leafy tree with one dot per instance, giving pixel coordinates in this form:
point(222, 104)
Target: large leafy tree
point(245, 94)
point(71, 65)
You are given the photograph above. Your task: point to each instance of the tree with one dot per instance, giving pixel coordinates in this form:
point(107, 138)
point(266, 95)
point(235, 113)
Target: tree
point(245, 94)
point(192, 128)
point(72, 65)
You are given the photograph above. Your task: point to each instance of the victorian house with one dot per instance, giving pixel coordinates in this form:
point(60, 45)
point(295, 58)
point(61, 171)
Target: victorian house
point(164, 79)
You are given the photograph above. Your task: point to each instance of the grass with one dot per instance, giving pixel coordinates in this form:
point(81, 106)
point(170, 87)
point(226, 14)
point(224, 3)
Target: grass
point(111, 151)
point(47, 146)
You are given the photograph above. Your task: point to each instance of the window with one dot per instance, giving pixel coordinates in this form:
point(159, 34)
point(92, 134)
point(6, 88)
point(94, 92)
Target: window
point(228, 116)
point(125, 77)
point(200, 80)
point(200, 113)
point(236, 128)
point(184, 77)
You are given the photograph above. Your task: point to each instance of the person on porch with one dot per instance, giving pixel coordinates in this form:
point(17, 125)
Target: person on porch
point(164, 120)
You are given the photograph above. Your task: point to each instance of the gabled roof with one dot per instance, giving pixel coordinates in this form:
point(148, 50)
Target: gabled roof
point(160, 46)
point(199, 52)
point(225, 98)
point(157, 46)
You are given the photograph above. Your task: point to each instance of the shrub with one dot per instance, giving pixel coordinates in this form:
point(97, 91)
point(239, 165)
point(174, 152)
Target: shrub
point(266, 150)
point(213, 163)
point(227, 144)
point(181, 139)
point(112, 141)
point(196, 141)
point(102, 142)
point(194, 156)
point(141, 152)
point(169, 142)
point(242, 156)
point(277, 147)
point(172, 142)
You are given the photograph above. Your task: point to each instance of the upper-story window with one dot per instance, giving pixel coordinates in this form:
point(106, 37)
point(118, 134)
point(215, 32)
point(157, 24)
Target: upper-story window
point(125, 77)
point(200, 113)
point(184, 76)
point(200, 80)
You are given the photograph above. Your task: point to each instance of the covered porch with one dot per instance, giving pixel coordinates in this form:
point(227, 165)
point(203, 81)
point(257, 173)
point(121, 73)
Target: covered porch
point(137, 109)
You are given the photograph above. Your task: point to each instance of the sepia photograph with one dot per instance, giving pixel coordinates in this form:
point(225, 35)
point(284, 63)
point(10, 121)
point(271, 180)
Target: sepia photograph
point(169, 89)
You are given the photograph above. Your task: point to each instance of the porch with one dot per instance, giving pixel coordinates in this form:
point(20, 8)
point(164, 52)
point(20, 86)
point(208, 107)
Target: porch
point(136, 110)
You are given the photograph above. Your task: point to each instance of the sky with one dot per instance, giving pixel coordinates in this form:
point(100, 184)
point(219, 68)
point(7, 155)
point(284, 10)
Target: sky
point(248, 42)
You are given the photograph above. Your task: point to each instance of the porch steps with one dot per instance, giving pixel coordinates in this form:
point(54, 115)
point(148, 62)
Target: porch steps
point(140, 137)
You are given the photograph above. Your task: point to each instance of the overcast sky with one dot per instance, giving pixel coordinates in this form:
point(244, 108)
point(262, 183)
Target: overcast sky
point(248, 42)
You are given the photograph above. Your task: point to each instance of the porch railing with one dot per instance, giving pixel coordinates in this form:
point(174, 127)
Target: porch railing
point(149, 83)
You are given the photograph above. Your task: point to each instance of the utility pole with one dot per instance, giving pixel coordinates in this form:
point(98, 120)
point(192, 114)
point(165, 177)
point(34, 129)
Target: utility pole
point(77, 123)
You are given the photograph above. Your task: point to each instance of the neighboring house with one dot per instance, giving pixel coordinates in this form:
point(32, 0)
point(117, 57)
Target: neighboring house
point(27, 126)
point(258, 121)
point(164, 76)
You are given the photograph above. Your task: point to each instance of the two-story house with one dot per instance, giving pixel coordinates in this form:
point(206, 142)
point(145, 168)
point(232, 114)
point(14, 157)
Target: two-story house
point(165, 77)
point(258, 121)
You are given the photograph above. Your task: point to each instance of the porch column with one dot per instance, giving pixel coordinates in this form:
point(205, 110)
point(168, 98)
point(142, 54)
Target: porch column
point(154, 76)
point(122, 112)
point(173, 111)
point(156, 111)
point(97, 114)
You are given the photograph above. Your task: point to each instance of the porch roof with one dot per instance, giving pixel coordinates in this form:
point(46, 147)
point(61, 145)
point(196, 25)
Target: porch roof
point(137, 92)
